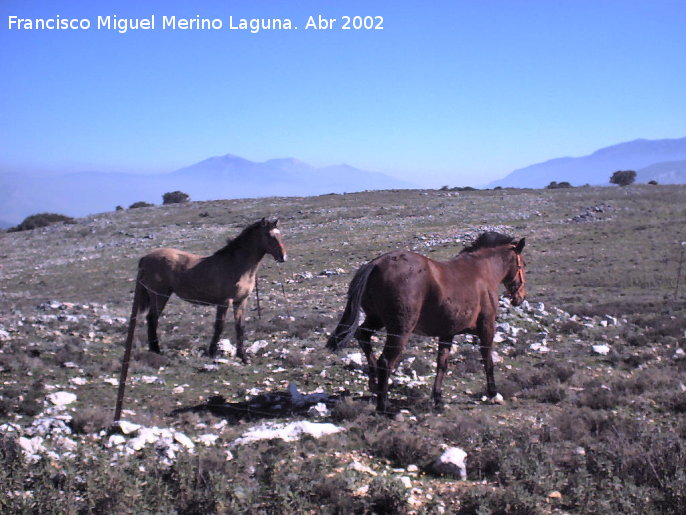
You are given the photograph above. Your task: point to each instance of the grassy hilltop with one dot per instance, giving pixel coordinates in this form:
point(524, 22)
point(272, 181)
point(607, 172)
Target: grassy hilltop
point(592, 370)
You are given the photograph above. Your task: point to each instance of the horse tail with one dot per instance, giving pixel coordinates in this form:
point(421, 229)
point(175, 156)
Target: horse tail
point(349, 321)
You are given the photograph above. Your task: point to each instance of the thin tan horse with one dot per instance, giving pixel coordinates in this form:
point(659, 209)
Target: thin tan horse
point(409, 293)
point(224, 279)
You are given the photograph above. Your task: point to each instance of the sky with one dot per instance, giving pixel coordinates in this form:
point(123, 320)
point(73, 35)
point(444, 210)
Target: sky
point(449, 92)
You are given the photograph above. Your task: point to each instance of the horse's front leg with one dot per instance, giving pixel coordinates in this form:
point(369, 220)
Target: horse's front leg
point(238, 312)
point(444, 345)
point(218, 328)
point(486, 331)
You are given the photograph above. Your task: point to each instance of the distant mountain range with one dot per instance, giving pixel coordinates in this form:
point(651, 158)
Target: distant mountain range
point(222, 177)
point(230, 176)
point(661, 160)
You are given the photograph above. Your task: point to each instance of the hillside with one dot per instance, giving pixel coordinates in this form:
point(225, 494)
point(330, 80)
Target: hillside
point(596, 168)
point(591, 368)
point(670, 172)
point(229, 176)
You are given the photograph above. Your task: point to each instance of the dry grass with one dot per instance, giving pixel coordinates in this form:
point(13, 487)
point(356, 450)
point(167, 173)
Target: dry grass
point(580, 424)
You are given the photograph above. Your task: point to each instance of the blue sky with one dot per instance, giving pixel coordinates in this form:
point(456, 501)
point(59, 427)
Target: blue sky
point(449, 92)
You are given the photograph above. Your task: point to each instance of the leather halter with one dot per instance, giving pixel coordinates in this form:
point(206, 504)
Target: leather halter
point(519, 275)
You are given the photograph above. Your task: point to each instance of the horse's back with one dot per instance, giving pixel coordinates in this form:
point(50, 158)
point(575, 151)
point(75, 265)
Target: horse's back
point(165, 264)
point(411, 292)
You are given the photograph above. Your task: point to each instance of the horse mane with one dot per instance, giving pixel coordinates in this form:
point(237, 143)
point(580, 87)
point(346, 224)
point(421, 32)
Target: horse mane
point(233, 244)
point(488, 240)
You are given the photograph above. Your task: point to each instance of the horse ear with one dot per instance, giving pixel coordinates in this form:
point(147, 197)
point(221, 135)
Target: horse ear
point(275, 222)
point(520, 246)
point(263, 221)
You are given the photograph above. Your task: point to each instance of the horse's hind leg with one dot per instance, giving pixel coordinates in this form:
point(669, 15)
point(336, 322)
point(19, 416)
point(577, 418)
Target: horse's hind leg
point(444, 345)
point(157, 303)
point(364, 335)
point(386, 363)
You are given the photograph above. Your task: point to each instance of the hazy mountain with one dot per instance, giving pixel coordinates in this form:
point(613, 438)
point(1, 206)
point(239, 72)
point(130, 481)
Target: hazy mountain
point(222, 177)
point(597, 167)
point(670, 172)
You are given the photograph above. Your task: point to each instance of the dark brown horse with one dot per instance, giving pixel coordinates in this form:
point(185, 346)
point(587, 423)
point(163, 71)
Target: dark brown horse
point(409, 293)
point(224, 279)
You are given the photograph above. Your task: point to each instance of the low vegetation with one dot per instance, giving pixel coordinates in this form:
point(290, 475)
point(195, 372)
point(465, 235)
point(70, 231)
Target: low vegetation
point(591, 370)
point(175, 197)
point(41, 220)
point(140, 203)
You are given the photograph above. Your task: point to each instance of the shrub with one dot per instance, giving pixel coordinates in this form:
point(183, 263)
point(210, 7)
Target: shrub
point(175, 197)
point(623, 177)
point(140, 203)
point(41, 220)
point(554, 185)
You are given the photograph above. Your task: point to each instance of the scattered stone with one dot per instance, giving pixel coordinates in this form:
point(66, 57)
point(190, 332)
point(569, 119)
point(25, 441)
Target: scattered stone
point(287, 432)
point(226, 347)
point(62, 399)
point(451, 463)
point(319, 410)
point(257, 346)
point(601, 350)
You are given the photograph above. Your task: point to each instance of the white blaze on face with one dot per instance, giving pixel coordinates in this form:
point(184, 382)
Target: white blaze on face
point(274, 232)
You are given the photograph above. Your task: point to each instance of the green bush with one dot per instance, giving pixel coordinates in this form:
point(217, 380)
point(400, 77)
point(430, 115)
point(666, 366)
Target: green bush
point(623, 177)
point(140, 203)
point(175, 197)
point(41, 220)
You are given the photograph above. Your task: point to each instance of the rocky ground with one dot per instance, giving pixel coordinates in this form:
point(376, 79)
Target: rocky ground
point(590, 369)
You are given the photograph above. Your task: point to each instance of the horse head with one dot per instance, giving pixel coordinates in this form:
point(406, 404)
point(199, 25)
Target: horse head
point(515, 281)
point(273, 240)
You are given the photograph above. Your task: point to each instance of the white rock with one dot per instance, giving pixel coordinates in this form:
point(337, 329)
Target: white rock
point(318, 410)
point(67, 443)
point(227, 347)
point(496, 357)
point(116, 440)
point(499, 337)
point(78, 381)
point(257, 346)
point(406, 481)
point(287, 432)
point(355, 358)
point(62, 398)
point(31, 446)
point(361, 467)
point(451, 462)
point(602, 349)
point(150, 379)
point(207, 439)
point(184, 440)
point(127, 427)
